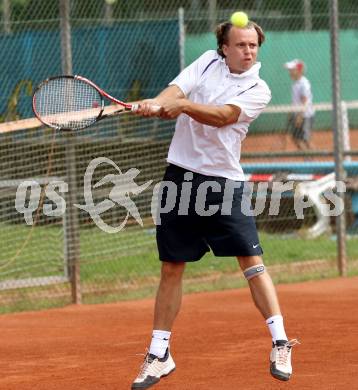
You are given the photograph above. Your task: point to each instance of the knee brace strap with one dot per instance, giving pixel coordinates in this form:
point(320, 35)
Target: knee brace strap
point(253, 271)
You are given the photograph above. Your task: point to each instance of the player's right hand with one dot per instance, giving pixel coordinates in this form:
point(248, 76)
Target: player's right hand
point(149, 108)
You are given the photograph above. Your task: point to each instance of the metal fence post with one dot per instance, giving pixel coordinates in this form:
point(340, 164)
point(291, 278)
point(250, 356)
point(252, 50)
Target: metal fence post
point(6, 16)
point(338, 136)
point(307, 11)
point(181, 37)
point(212, 5)
point(72, 227)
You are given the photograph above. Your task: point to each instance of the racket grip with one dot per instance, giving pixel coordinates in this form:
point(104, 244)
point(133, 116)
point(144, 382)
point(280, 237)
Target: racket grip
point(155, 108)
point(134, 107)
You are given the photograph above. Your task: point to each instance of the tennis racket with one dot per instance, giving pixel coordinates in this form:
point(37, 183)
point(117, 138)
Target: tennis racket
point(74, 103)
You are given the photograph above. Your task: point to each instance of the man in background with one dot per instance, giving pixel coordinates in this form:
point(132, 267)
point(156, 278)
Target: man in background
point(300, 122)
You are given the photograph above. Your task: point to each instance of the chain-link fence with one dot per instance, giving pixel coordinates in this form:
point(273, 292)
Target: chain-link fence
point(50, 247)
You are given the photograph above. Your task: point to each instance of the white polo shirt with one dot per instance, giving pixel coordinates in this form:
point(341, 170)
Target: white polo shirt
point(301, 88)
point(207, 149)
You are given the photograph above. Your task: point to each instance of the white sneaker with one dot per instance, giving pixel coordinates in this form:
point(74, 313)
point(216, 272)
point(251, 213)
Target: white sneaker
point(152, 369)
point(280, 359)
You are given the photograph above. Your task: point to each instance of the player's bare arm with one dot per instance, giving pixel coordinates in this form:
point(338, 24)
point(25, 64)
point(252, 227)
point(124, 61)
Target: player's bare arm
point(217, 116)
point(171, 92)
point(172, 107)
point(173, 103)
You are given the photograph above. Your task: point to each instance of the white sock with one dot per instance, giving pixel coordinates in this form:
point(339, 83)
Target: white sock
point(277, 330)
point(160, 342)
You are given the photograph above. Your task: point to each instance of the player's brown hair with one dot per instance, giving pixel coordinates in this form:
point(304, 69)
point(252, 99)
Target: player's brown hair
point(222, 34)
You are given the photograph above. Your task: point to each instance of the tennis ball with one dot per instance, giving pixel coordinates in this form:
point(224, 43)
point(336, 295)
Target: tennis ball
point(239, 19)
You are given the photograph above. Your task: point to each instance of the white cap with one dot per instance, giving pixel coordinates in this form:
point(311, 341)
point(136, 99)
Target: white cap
point(294, 64)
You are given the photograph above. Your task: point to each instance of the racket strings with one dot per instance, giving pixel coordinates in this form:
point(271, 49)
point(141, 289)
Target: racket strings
point(68, 103)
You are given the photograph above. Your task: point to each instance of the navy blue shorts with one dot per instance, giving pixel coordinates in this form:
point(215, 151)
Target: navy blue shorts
point(203, 217)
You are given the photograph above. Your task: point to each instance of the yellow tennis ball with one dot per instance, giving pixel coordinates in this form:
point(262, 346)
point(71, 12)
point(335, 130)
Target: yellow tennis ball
point(239, 19)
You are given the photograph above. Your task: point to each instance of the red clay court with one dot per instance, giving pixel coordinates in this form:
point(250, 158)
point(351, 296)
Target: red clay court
point(219, 342)
point(321, 141)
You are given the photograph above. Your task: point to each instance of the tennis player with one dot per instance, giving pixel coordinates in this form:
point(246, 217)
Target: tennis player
point(214, 100)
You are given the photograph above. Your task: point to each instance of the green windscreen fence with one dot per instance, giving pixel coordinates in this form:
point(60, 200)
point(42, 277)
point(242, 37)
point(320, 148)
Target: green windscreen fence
point(129, 60)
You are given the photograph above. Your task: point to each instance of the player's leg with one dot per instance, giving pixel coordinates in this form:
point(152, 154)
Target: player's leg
point(158, 361)
point(262, 289)
point(233, 233)
point(179, 240)
point(169, 295)
point(265, 298)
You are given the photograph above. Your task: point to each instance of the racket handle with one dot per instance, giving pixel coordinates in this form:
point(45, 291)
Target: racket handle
point(155, 108)
point(134, 107)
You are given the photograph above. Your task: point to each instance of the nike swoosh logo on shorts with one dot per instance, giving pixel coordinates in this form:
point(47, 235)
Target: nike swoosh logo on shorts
point(255, 246)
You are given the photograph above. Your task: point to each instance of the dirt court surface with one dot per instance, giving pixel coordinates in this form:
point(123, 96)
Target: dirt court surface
point(219, 342)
